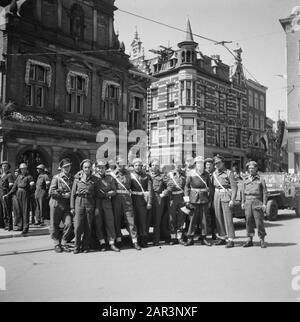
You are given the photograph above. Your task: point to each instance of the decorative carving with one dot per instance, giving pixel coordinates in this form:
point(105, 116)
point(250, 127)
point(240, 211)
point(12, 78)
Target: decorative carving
point(38, 63)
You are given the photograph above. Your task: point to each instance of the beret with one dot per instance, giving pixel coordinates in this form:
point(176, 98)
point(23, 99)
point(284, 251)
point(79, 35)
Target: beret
point(64, 163)
point(85, 161)
point(41, 167)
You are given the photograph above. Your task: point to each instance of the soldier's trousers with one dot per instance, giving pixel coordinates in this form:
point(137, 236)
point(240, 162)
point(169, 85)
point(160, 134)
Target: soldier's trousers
point(83, 221)
point(211, 220)
point(60, 212)
point(122, 206)
point(224, 218)
point(22, 208)
point(140, 215)
point(254, 218)
point(2, 225)
point(6, 209)
point(198, 217)
point(177, 218)
point(160, 218)
point(40, 206)
point(104, 221)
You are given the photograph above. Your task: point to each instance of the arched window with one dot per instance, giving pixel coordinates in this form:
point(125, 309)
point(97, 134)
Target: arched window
point(188, 56)
point(183, 57)
point(77, 22)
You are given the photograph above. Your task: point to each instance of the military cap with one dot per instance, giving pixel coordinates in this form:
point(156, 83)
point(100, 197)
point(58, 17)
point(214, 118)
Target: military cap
point(253, 163)
point(5, 162)
point(64, 163)
point(218, 158)
point(23, 166)
point(209, 160)
point(199, 159)
point(41, 167)
point(137, 160)
point(100, 163)
point(85, 161)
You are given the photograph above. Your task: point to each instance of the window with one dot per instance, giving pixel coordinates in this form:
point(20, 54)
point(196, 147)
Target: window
point(111, 102)
point(171, 95)
point(187, 92)
point(217, 102)
point(77, 22)
point(251, 99)
point(223, 136)
point(256, 101)
point(134, 114)
point(154, 99)
point(154, 133)
point(262, 103)
point(256, 122)
point(250, 121)
point(188, 130)
point(201, 97)
point(238, 138)
point(75, 100)
point(223, 103)
point(262, 123)
point(171, 132)
point(240, 107)
point(36, 86)
point(217, 135)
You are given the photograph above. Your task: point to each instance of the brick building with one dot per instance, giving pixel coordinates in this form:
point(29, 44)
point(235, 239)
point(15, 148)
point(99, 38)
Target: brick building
point(68, 77)
point(197, 102)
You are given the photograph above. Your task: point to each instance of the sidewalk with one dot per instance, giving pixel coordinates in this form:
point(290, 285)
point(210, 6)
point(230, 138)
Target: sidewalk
point(33, 231)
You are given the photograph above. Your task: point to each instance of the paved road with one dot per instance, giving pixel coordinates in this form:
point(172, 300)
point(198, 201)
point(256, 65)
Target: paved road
point(168, 273)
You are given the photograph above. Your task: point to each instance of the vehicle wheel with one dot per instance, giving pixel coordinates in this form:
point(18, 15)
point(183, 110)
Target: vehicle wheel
point(272, 210)
point(298, 209)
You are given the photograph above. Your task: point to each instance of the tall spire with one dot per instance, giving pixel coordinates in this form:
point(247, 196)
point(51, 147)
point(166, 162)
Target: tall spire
point(189, 33)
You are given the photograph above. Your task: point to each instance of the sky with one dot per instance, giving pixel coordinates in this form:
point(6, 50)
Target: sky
point(254, 25)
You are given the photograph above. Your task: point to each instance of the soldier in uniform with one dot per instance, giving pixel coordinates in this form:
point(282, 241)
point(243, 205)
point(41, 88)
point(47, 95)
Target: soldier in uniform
point(6, 183)
point(104, 217)
point(175, 186)
point(254, 200)
point(122, 204)
point(197, 189)
point(83, 200)
point(60, 194)
point(142, 197)
point(225, 194)
point(22, 188)
point(41, 195)
point(160, 202)
point(211, 218)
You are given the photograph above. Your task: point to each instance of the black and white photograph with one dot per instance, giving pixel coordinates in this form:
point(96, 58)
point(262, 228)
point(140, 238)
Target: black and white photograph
point(149, 153)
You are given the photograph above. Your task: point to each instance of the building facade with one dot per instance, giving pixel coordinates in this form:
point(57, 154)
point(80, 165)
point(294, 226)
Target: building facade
point(291, 27)
point(197, 105)
point(68, 77)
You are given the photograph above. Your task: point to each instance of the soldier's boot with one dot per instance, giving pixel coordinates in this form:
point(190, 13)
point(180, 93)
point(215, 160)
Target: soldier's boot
point(174, 241)
point(137, 246)
point(190, 242)
point(248, 244)
point(220, 242)
point(205, 242)
point(230, 244)
point(263, 244)
point(58, 249)
point(114, 248)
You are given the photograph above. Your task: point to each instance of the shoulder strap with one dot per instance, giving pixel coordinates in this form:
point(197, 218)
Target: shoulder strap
point(112, 174)
point(63, 181)
point(218, 182)
point(195, 172)
point(177, 185)
point(137, 181)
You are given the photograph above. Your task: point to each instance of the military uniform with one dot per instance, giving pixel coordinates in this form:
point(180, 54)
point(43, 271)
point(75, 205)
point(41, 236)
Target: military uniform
point(211, 218)
point(41, 197)
point(254, 196)
point(60, 193)
point(198, 192)
point(140, 203)
point(122, 205)
point(159, 207)
point(22, 189)
point(225, 191)
point(6, 182)
point(176, 191)
point(83, 199)
point(104, 217)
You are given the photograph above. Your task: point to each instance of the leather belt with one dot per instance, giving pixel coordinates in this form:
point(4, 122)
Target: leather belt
point(199, 190)
point(177, 193)
point(123, 192)
point(222, 190)
point(251, 197)
point(84, 195)
point(136, 193)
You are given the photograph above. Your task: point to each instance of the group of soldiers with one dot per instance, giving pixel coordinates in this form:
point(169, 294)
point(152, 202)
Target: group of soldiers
point(102, 198)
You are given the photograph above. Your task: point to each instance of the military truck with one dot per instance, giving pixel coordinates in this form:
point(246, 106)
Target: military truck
point(283, 193)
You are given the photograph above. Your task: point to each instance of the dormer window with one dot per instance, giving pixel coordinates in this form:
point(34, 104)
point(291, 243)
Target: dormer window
point(77, 22)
